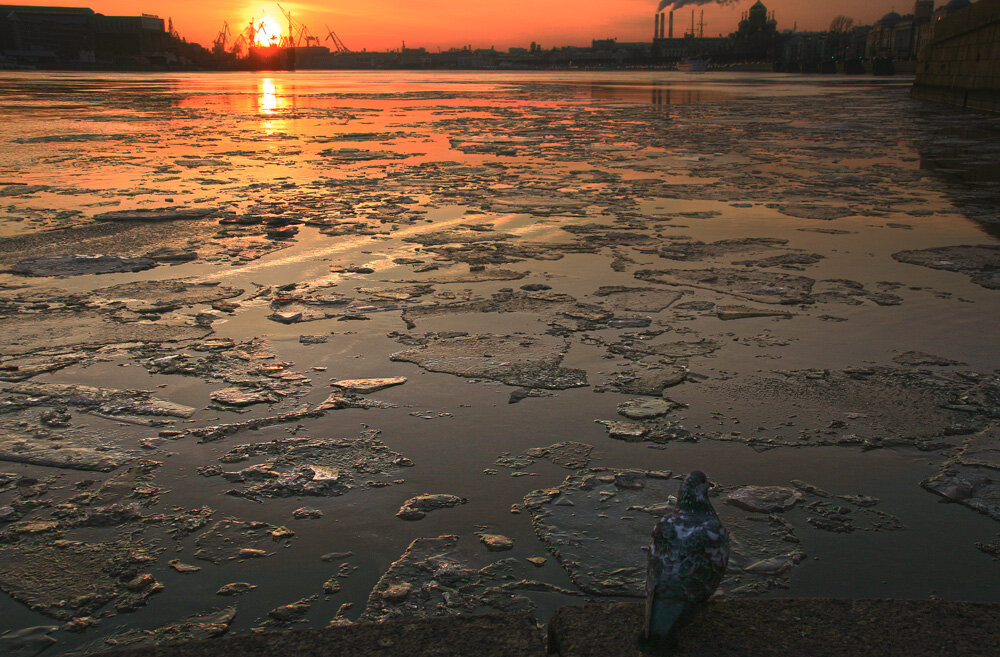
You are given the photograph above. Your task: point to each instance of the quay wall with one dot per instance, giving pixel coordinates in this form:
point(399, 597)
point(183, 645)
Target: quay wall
point(961, 64)
point(763, 627)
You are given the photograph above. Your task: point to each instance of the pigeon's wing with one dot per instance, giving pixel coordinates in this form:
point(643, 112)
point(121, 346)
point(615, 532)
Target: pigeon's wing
point(688, 557)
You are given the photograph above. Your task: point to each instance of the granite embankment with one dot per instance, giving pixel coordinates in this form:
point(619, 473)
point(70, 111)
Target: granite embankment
point(961, 65)
point(728, 628)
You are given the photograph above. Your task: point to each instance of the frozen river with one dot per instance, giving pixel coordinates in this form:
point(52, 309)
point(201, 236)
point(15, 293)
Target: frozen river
point(538, 298)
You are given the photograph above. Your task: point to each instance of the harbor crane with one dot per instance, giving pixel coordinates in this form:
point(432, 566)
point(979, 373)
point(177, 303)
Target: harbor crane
point(219, 45)
point(338, 45)
point(256, 33)
point(290, 39)
point(250, 33)
point(238, 45)
point(302, 37)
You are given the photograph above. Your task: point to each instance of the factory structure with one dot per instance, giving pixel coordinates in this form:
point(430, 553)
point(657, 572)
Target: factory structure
point(691, 42)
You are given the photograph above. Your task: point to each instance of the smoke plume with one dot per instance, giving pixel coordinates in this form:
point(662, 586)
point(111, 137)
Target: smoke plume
point(677, 4)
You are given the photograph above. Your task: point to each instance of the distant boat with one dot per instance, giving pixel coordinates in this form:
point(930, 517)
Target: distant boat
point(690, 65)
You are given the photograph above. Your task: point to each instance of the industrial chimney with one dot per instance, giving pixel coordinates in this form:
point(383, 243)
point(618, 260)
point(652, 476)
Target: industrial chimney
point(662, 19)
point(671, 24)
point(656, 26)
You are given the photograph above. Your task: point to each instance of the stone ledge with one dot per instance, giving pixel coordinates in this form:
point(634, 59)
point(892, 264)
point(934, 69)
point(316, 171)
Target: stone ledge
point(774, 627)
point(770, 627)
point(494, 635)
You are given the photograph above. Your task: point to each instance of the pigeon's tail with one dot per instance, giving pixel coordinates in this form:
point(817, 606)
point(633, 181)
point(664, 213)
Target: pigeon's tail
point(663, 618)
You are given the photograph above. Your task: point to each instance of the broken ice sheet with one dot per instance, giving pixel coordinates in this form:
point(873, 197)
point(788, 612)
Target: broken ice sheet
point(762, 287)
point(303, 466)
point(32, 333)
point(654, 344)
point(19, 368)
point(972, 477)
point(78, 265)
point(636, 299)
point(250, 367)
point(243, 396)
point(457, 236)
point(197, 627)
point(171, 292)
point(786, 261)
point(542, 304)
point(647, 409)
point(981, 263)
point(65, 579)
point(728, 313)
point(768, 286)
point(156, 214)
point(286, 615)
point(693, 250)
point(73, 449)
point(219, 431)
point(232, 539)
point(472, 276)
point(918, 358)
point(438, 577)
point(365, 386)
point(106, 402)
point(416, 508)
point(652, 382)
point(867, 406)
point(360, 155)
point(28, 641)
point(309, 302)
point(524, 361)
point(568, 454)
point(815, 211)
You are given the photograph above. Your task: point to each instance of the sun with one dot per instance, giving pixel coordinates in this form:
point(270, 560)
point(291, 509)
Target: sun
point(268, 31)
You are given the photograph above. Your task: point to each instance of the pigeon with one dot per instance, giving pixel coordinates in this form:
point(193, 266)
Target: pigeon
point(687, 559)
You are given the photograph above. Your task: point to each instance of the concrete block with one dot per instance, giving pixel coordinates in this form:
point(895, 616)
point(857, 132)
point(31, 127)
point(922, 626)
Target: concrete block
point(493, 635)
point(774, 627)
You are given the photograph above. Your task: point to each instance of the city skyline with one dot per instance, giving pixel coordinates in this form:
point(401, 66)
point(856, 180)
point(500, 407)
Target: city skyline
point(442, 24)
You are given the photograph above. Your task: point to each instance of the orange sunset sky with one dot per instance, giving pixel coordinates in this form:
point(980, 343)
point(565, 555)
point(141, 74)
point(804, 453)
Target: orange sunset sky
point(434, 24)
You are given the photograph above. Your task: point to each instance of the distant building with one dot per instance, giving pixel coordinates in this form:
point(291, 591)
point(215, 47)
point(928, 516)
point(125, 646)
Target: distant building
point(38, 35)
point(692, 47)
point(611, 52)
point(757, 38)
point(897, 38)
point(54, 36)
point(825, 52)
point(139, 39)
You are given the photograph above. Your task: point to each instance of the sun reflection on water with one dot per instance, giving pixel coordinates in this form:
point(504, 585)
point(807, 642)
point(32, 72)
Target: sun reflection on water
point(267, 100)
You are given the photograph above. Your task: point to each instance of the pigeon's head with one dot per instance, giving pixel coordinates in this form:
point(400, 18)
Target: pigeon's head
point(693, 495)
